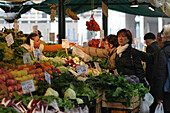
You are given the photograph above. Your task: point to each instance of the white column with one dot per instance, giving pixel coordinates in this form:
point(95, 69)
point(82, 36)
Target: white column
point(160, 24)
point(141, 23)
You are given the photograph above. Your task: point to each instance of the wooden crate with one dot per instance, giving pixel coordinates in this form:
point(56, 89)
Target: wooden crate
point(134, 103)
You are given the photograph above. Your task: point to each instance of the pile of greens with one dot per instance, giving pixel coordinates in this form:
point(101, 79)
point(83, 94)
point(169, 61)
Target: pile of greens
point(7, 109)
point(117, 88)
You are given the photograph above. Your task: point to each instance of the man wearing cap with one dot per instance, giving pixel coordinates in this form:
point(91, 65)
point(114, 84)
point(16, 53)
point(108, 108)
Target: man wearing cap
point(152, 49)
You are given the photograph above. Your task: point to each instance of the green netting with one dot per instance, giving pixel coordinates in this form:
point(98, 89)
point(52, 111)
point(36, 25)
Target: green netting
point(79, 8)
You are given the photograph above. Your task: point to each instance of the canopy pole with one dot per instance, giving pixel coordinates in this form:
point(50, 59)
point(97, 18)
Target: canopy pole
point(105, 22)
point(61, 21)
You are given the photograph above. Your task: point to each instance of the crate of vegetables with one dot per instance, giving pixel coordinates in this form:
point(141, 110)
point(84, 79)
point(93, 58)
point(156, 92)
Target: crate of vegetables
point(121, 104)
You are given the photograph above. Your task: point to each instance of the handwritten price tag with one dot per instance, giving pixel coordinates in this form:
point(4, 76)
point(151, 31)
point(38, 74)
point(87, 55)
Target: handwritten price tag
point(82, 69)
point(26, 58)
point(97, 66)
point(101, 34)
point(28, 86)
point(65, 43)
point(47, 77)
point(9, 39)
point(37, 53)
point(35, 29)
point(73, 72)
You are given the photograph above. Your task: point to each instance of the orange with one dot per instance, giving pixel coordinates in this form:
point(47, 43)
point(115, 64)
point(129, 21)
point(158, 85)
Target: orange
point(47, 64)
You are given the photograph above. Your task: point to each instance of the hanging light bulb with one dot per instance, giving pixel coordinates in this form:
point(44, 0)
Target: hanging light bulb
point(151, 7)
point(134, 3)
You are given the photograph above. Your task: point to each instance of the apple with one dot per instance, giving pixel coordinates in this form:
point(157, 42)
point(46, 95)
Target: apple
point(1, 71)
point(20, 67)
point(18, 86)
point(14, 73)
point(10, 82)
point(10, 88)
point(10, 75)
point(42, 74)
point(2, 82)
point(3, 77)
point(11, 95)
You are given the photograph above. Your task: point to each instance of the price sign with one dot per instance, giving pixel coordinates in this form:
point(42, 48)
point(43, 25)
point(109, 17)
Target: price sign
point(82, 69)
point(101, 34)
point(47, 77)
point(28, 86)
point(52, 36)
point(35, 29)
point(73, 72)
point(26, 58)
point(9, 39)
point(97, 66)
point(37, 53)
point(65, 43)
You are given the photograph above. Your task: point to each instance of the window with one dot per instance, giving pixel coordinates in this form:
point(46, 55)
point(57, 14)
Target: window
point(1, 21)
point(42, 21)
point(32, 21)
point(44, 15)
point(24, 21)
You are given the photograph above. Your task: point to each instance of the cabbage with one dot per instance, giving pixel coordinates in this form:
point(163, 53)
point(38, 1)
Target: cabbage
point(69, 93)
point(79, 101)
point(50, 92)
point(82, 79)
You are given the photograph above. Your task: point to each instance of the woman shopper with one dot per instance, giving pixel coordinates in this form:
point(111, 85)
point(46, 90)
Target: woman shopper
point(128, 60)
point(161, 76)
point(109, 51)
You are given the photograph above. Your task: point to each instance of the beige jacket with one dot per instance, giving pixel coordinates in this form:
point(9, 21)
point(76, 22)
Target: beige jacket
point(102, 53)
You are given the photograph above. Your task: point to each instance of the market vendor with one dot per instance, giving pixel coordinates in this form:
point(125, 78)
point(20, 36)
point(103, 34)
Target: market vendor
point(109, 51)
point(37, 44)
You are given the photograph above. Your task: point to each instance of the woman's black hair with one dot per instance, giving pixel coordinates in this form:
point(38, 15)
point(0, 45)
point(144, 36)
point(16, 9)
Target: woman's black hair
point(127, 33)
point(112, 39)
point(30, 36)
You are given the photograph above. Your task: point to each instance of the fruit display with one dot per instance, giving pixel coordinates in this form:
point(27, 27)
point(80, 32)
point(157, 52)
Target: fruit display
point(72, 14)
point(92, 25)
point(95, 43)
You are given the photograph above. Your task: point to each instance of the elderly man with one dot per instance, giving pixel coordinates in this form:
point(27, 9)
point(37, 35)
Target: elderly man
point(163, 96)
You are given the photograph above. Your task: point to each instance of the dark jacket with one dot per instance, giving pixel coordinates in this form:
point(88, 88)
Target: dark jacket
point(130, 66)
point(153, 48)
point(161, 76)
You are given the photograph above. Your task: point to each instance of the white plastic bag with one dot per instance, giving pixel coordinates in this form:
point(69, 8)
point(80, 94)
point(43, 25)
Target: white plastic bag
point(148, 100)
point(80, 53)
point(159, 108)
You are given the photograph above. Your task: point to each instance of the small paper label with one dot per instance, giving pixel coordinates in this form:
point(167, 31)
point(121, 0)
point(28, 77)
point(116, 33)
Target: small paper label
point(52, 36)
point(97, 66)
point(47, 77)
point(82, 69)
point(35, 29)
point(73, 72)
point(9, 39)
point(37, 53)
point(65, 43)
point(28, 86)
point(26, 58)
point(101, 34)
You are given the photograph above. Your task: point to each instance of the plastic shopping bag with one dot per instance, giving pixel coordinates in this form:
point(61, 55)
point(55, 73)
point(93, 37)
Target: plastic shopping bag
point(159, 108)
point(148, 100)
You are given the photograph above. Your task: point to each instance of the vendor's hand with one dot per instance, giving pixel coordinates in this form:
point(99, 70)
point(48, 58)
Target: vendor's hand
point(71, 44)
point(159, 101)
